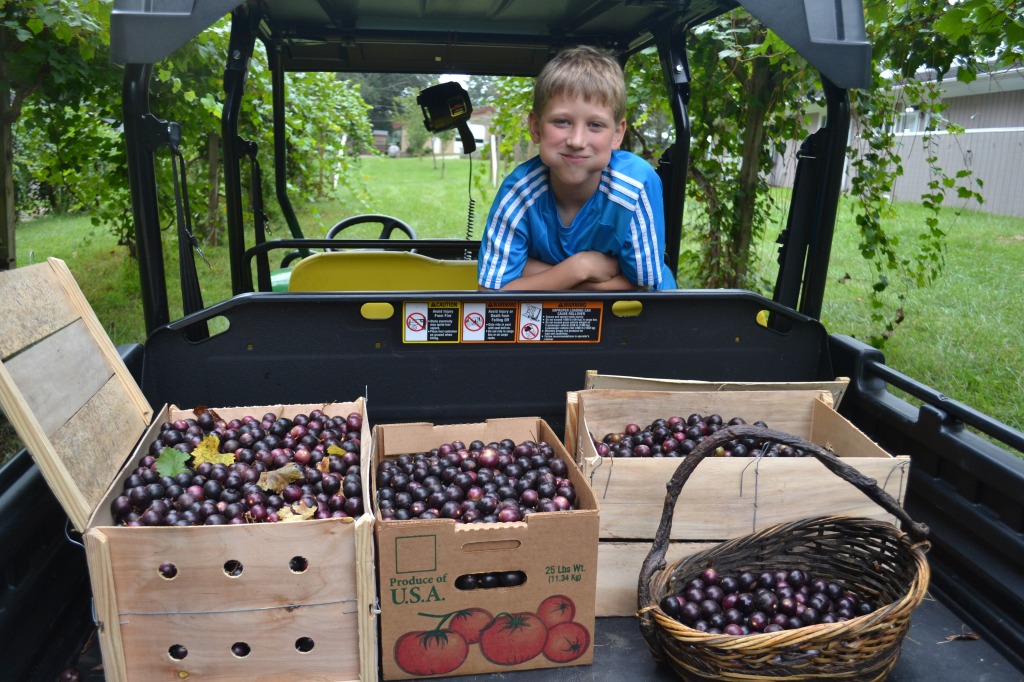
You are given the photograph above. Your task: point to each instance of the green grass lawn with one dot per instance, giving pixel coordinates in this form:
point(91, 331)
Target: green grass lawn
point(963, 335)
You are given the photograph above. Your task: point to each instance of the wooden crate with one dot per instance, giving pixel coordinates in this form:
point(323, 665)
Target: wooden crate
point(726, 497)
point(303, 597)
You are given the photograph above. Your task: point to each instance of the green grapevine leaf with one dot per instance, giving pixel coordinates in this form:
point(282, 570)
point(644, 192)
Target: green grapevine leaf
point(171, 462)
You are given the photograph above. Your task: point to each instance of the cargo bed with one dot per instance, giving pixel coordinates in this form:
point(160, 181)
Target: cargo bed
point(965, 487)
point(937, 641)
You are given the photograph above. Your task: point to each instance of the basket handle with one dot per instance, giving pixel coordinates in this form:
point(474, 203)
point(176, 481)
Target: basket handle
point(655, 560)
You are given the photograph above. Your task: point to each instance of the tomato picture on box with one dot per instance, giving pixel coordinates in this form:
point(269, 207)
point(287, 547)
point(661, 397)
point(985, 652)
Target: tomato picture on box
point(505, 639)
point(462, 598)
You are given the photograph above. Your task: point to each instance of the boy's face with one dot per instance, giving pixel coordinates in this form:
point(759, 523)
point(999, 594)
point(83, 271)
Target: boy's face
point(576, 140)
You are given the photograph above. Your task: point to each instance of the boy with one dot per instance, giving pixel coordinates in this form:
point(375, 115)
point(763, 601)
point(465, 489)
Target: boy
point(582, 214)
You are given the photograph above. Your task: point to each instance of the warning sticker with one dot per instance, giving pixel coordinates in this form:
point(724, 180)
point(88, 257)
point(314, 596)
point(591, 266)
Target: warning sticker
point(432, 322)
point(502, 322)
point(562, 321)
point(491, 321)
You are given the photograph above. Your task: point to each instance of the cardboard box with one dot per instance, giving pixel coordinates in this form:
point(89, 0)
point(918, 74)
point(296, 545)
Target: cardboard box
point(725, 497)
point(420, 560)
point(298, 594)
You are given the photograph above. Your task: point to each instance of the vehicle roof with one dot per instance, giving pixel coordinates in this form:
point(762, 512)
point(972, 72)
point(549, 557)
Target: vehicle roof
point(487, 37)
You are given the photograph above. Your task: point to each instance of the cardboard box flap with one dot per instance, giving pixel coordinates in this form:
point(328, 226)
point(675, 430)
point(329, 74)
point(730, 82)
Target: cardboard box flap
point(64, 386)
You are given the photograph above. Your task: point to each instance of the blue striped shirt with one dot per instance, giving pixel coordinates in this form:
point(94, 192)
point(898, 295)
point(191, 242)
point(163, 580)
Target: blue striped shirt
point(624, 219)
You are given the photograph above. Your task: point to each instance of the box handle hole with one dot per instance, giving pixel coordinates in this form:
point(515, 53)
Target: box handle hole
point(240, 650)
point(298, 564)
point(168, 571)
point(304, 645)
point(177, 652)
point(490, 580)
point(233, 568)
point(491, 545)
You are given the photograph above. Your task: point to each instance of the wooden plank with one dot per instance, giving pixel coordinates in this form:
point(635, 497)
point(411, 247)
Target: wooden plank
point(91, 447)
point(618, 570)
point(31, 307)
point(59, 374)
point(608, 411)
point(612, 381)
point(834, 432)
point(264, 555)
point(274, 637)
point(729, 497)
point(366, 589)
point(101, 577)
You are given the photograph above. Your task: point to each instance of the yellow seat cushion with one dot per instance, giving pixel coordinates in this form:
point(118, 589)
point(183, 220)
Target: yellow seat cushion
point(380, 271)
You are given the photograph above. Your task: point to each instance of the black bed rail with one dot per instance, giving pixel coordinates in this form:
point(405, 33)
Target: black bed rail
point(966, 478)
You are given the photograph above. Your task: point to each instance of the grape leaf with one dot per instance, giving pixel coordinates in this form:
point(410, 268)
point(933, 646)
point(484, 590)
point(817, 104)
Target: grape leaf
point(208, 450)
point(278, 479)
point(171, 462)
point(335, 450)
point(298, 511)
point(324, 465)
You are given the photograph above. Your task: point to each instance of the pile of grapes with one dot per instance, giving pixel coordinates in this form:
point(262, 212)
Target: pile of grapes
point(486, 581)
point(315, 457)
point(676, 437)
point(748, 603)
point(482, 483)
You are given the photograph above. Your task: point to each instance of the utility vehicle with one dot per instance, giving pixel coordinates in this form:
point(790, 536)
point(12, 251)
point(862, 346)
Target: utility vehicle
point(966, 480)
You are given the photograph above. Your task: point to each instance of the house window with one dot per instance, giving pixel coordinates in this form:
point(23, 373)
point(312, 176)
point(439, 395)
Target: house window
point(911, 121)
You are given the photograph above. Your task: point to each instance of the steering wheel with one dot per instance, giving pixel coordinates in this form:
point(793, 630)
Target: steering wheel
point(389, 225)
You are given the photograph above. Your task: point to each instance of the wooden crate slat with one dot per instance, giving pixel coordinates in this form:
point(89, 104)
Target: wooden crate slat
point(101, 577)
point(264, 551)
point(609, 411)
point(94, 444)
point(729, 497)
point(59, 374)
point(32, 308)
point(618, 572)
point(271, 635)
point(595, 379)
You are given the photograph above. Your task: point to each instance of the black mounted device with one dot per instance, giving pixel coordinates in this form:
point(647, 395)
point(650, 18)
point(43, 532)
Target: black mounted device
point(446, 106)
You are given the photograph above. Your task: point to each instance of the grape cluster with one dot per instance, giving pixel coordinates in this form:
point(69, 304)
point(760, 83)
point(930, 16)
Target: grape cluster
point(483, 483)
point(216, 494)
point(769, 601)
point(677, 437)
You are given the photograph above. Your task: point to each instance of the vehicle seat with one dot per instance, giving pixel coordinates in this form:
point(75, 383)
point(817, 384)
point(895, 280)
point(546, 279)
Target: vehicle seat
point(380, 271)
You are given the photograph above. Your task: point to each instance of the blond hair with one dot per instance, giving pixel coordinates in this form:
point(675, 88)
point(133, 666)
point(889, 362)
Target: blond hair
point(582, 72)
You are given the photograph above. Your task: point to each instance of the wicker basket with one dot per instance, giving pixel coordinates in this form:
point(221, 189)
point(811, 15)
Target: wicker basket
point(871, 558)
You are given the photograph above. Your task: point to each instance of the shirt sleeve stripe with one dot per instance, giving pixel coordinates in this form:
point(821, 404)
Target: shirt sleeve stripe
point(505, 221)
point(631, 194)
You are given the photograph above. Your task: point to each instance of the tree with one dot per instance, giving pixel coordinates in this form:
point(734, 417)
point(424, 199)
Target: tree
point(382, 90)
point(408, 113)
point(66, 112)
point(48, 49)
